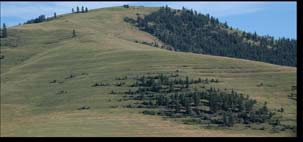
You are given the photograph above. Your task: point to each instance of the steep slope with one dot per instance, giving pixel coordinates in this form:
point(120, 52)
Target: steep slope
point(186, 30)
point(104, 49)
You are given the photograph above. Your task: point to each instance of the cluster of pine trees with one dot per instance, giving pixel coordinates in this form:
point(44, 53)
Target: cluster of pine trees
point(166, 83)
point(177, 97)
point(188, 31)
point(83, 10)
point(39, 19)
point(126, 6)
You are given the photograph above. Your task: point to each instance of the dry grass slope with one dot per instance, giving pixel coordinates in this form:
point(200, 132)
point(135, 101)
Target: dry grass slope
point(104, 49)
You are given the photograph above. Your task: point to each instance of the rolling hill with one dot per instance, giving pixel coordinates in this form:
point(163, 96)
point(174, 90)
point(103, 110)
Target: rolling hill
point(107, 47)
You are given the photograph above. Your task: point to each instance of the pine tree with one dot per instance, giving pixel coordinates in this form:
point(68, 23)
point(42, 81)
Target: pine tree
point(55, 15)
point(187, 82)
point(82, 9)
point(228, 119)
point(78, 9)
point(74, 33)
point(282, 109)
point(225, 119)
point(73, 11)
point(86, 9)
point(177, 107)
point(187, 107)
point(196, 100)
point(231, 119)
point(4, 31)
point(199, 80)
point(159, 101)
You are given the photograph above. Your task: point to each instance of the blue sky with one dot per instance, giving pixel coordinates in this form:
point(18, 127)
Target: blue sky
point(278, 19)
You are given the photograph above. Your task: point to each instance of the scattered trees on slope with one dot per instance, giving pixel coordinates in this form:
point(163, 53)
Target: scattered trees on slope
point(192, 100)
point(41, 18)
point(173, 96)
point(83, 10)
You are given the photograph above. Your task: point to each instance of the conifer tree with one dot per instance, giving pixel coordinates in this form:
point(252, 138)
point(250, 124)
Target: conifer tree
point(187, 107)
point(177, 107)
point(4, 31)
point(86, 9)
point(73, 11)
point(187, 82)
point(55, 15)
point(82, 9)
point(78, 10)
point(74, 33)
point(196, 100)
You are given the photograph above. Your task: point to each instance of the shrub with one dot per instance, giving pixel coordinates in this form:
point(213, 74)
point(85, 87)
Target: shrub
point(192, 121)
point(84, 107)
point(130, 20)
point(149, 112)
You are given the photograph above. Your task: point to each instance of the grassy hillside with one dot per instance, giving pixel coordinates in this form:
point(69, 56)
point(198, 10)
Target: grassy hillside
point(104, 49)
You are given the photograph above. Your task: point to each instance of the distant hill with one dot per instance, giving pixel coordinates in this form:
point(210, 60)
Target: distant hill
point(189, 31)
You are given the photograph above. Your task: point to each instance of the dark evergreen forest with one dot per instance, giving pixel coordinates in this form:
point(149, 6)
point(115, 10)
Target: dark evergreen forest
point(188, 31)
